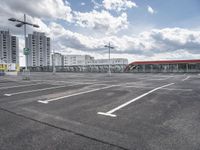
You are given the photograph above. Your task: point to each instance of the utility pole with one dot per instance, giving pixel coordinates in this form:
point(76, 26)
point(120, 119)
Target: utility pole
point(25, 42)
point(109, 47)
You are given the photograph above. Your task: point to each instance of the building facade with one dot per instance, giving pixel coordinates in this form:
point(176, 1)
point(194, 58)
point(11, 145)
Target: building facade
point(113, 61)
point(73, 60)
point(86, 63)
point(83, 63)
point(40, 49)
point(9, 48)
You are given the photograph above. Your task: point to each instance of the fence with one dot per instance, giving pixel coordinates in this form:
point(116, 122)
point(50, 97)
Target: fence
point(164, 68)
point(80, 68)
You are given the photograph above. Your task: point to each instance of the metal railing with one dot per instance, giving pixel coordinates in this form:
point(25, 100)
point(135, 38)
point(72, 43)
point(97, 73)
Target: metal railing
point(80, 68)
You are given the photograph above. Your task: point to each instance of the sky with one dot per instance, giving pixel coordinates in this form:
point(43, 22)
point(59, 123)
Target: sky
point(138, 29)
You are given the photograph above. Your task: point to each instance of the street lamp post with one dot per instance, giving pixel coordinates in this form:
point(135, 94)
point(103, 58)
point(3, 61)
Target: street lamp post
point(109, 47)
point(53, 61)
point(19, 24)
point(25, 42)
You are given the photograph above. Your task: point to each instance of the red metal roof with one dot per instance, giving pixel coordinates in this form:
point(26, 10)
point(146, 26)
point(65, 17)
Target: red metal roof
point(166, 62)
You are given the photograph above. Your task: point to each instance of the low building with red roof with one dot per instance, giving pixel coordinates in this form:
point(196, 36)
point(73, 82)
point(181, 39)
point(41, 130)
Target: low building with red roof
point(164, 66)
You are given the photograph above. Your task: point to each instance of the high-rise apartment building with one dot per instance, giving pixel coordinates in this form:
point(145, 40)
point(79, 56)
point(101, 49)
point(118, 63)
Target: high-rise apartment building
point(40, 49)
point(9, 48)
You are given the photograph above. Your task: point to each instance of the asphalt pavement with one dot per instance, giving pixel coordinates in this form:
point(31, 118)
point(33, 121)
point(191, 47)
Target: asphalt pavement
point(90, 111)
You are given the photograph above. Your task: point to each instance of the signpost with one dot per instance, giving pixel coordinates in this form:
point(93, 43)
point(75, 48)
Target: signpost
point(26, 51)
point(26, 72)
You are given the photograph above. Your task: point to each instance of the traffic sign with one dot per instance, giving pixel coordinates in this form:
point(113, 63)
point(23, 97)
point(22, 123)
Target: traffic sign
point(26, 51)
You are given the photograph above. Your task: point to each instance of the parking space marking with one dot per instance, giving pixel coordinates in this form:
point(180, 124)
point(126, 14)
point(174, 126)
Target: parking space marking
point(30, 91)
point(110, 113)
point(9, 87)
point(77, 81)
point(73, 82)
point(149, 87)
point(186, 78)
point(75, 94)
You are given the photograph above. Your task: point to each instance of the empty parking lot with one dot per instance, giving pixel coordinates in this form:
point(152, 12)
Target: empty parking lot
point(95, 111)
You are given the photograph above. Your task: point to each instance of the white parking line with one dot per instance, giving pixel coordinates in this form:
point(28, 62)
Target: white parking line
point(30, 91)
point(186, 78)
point(110, 113)
point(58, 81)
point(149, 87)
point(9, 87)
point(75, 94)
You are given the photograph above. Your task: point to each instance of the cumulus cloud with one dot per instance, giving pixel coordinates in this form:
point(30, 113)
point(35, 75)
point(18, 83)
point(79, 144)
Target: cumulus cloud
point(167, 43)
point(64, 38)
point(46, 10)
point(118, 5)
point(54, 9)
point(162, 40)
point(176, 38)
point(151, 10)
point(101, 20)
point(147, 44)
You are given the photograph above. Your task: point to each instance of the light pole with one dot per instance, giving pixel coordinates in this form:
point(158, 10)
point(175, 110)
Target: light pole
point(19, 24)
point(53, 61)
point(109, 47)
